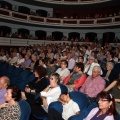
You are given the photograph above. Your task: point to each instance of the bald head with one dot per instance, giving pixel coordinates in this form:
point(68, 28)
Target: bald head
point(4, 82)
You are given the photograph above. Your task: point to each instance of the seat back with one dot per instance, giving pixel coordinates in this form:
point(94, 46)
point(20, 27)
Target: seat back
point(25, 110)
point(80, 99)
point(24, 75)
point(63, 88)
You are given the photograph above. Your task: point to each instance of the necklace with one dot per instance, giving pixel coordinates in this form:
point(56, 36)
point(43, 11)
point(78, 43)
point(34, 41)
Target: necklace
point(39, 79)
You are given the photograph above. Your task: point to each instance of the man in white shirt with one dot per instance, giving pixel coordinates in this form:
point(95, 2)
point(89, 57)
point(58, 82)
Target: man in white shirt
point(63, 71)
point(14, 58)
point(90, 65)
point(71, 61)
point(3, 56)
point(70, 108)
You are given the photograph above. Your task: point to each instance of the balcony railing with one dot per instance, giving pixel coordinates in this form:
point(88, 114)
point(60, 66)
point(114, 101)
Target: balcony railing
point(26, 42)
point(31, 19)
point(73, 1)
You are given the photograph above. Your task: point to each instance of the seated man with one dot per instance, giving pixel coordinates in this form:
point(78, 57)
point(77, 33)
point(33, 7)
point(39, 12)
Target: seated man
point(94, 84)
point(89, 65)
point(71, 62)
point(76, 78)
point(27, 62)
point(70, 108)
point(4, 83)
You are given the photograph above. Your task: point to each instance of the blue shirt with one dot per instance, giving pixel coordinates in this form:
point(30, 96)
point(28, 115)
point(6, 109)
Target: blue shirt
point(2, 96)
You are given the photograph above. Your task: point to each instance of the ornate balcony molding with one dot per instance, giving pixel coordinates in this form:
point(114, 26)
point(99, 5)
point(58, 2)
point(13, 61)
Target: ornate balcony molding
point(73, 1)
point(26, 42)
point(100, 22)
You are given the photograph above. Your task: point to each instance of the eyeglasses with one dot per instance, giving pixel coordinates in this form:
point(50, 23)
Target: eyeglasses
point(51, 78)
point(90, 59)
point(102, 100)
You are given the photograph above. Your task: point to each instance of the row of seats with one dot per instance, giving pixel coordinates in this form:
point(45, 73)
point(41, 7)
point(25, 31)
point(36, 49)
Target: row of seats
point(17, 76)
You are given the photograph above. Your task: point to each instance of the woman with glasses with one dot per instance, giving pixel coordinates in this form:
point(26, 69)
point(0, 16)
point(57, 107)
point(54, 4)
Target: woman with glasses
point(52, 92)
point(105, 109)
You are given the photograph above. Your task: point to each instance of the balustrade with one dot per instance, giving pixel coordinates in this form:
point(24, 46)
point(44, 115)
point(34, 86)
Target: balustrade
point(58, 21)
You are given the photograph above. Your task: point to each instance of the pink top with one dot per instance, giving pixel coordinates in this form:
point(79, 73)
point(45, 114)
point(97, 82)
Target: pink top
point(92, 87)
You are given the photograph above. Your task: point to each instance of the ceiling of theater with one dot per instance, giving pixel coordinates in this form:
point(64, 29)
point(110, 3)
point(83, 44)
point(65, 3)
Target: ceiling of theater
point(97, 5)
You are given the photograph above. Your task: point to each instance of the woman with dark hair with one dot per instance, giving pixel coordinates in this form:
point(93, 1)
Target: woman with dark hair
point(76, 78)
point(11, 109)
point(105, 110)
point(36, 86)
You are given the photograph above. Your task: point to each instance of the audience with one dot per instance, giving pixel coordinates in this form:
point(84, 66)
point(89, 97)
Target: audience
point(57, 62)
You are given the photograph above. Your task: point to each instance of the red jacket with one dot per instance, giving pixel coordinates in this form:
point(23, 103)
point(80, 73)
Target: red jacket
point(78, 82)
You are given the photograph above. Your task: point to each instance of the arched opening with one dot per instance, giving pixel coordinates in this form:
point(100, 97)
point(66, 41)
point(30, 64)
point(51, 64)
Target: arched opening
point(23, 33)
point(4, 31)
point(6, 5)
point(42, 13)
point(74, 35)
point(57, 35)
point(41, 34)
point(91, 36)
point(108, 37)
point(23, 9)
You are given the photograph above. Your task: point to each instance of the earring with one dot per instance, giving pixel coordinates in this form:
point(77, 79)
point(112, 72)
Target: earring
point(109, 106)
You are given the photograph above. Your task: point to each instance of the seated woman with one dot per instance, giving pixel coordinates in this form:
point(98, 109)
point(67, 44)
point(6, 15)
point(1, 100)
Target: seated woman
point(63, 71)
point(36, 86)
point(110, 74)
point(52, 92)
point(115, 86)
point(76, 78)
point(11, 109)
point(105, 109)
point(70, 108)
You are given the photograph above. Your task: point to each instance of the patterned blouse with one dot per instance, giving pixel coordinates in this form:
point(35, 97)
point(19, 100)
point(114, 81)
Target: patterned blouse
point(11, 113)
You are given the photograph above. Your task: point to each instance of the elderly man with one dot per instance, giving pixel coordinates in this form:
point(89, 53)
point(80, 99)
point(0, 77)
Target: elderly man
point(71, 61)
point(27, 61)
point(4, 83)
point(94, 84)
point(89, 65)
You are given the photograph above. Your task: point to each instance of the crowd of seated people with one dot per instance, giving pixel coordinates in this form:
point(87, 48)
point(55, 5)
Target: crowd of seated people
point(82, 69)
